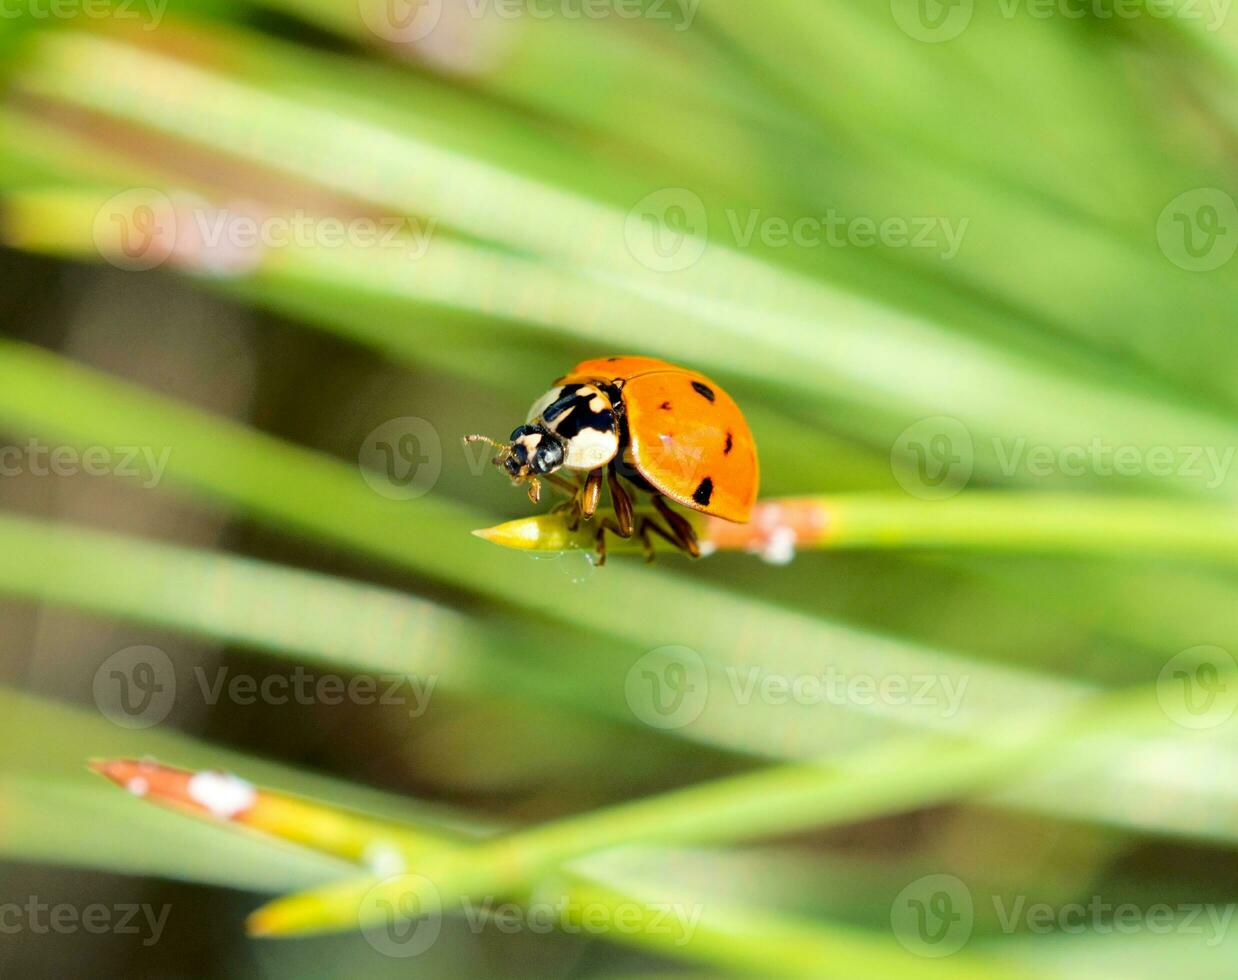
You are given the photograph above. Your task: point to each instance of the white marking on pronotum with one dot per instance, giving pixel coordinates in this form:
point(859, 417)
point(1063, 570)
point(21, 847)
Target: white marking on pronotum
point(225, 795)
point(591, 448)
point(138, 786)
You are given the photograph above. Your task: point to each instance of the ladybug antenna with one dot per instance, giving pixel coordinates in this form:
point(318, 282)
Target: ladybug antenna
point(504, 448)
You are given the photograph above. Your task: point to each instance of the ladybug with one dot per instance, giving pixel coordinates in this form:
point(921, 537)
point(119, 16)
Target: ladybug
point(667, 431)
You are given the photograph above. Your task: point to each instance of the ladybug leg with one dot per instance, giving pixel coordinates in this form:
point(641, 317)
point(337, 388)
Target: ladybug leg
point(648, 527)
point(571, 504)
point(622, 503)
point(590, 494)
point(645, 527)
point(681, 529)
point(606, 524)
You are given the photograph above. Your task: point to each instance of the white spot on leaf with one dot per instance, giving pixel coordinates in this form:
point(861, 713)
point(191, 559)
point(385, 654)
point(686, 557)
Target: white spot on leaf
point(224, 795)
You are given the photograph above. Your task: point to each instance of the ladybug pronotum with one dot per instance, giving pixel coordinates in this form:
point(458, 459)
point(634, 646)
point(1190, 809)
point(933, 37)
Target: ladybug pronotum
point(665, 430)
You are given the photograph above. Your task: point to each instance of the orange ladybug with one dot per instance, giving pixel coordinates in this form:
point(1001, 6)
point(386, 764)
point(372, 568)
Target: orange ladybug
point(666, 430)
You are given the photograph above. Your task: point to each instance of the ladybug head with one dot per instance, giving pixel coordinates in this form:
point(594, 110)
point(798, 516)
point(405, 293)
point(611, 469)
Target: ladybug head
point(534, 451)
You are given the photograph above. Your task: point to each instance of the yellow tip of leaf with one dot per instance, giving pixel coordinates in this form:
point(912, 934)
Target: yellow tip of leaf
point(528, 534)
point(273, 920)
point(329, 909)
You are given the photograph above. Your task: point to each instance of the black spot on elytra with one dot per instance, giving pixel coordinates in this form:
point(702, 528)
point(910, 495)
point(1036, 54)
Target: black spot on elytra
point(665, 406)
point(704, 492)
point(730, 444)
point(704, 391)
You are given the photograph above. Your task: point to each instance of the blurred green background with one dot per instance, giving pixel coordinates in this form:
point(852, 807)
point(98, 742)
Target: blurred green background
point(263, 265)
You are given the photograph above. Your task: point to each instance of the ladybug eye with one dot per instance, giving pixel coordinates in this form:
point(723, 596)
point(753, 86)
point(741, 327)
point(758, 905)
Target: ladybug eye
point(549, 456)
